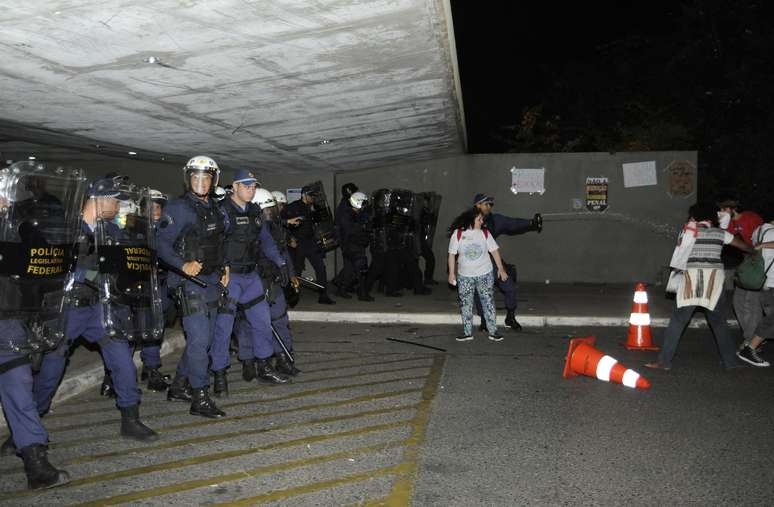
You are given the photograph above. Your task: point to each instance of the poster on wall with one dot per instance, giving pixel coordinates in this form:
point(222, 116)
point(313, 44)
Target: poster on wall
point(681, 174)
point(530, 181)
point(293, 194)
point(596, 193)
point(639, 174)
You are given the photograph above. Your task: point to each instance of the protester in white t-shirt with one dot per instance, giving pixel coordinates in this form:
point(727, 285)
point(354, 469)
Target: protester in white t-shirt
point(470, 269)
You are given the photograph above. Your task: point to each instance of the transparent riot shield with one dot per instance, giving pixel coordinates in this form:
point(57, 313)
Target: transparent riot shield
point(40, 208)
point(402, 223)
point(322, 218)
point(127, 277)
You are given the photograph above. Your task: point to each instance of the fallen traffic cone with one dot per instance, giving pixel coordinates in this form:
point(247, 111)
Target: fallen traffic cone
point(584, 359)
point(639, 322)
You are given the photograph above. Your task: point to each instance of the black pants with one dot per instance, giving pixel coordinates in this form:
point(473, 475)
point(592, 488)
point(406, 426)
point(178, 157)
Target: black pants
point(429, 256)
point(383, 267)
point(355, 266)
point(307, 249)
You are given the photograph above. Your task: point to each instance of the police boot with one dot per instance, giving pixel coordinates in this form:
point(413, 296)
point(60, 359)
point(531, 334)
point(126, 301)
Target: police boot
point(510, 320)
point(325, 299)
point(362, 291)
point(107, 388)
point(8, 448)
point(40, 473)
point(340, 291)
point(220, 384)
point(132, 427)
point(202, 405)
point(248, 370)
point(284, 366)
point(156, 381)
point(536, 224)
point(180, 390)
point(268, 375)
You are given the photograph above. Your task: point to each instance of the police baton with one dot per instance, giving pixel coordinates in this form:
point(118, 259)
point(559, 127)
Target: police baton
point(309, 283)
point(172, 269)
point(282, 344)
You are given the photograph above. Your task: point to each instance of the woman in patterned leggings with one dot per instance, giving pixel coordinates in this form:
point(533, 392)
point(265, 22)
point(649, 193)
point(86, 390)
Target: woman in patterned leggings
point(471, 250)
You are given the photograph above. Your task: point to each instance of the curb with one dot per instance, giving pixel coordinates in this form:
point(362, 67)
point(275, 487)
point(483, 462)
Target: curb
point(454, 319)
point(85, 379)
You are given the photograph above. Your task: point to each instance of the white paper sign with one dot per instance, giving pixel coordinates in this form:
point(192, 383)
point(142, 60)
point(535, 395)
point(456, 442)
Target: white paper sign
point(640, 174)
point(528, 180)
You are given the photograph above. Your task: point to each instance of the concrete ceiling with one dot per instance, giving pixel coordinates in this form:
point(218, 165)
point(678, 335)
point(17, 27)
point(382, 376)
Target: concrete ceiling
point(284, 85)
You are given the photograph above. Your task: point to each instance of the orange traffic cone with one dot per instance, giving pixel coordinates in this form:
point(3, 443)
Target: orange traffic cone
point(584, 359)
point(639, 322)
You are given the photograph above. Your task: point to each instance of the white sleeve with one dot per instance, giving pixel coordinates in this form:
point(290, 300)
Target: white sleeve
point(491, 244)
point(727, 237)
point(454, 245)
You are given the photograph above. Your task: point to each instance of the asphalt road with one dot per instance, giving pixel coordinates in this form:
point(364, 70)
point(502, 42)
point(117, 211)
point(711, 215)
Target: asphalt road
point(379, 422)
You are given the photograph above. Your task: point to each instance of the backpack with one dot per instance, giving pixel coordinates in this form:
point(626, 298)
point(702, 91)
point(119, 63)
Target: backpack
point(751, 273)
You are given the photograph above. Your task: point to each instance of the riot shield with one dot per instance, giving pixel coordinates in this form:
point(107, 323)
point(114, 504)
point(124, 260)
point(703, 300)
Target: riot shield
point(402, 222)
point(127, 277)
point(381, 212)
point(322, 218)
point(40, 208)
point(431, 207)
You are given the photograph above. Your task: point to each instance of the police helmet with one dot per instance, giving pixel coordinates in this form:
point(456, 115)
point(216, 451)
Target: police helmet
point(279, 197)
point(357, 200)
point(201, 164)
point(264, 198)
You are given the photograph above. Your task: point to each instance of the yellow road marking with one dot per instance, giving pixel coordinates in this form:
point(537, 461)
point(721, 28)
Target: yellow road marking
point(220, 479)
point(247, 417)
point(209, 458)
point(251, 401)
point(236, 434)
point(400, 469)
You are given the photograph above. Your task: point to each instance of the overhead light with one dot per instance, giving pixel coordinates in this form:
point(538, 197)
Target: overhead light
point(151, 59)
point(132, 153)
point(31, 157)
point(325, 141)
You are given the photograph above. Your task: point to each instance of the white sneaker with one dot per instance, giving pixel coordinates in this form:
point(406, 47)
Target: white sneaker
point(464, 338)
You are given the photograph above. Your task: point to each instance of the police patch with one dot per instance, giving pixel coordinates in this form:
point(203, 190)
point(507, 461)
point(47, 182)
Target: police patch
point(242, 220)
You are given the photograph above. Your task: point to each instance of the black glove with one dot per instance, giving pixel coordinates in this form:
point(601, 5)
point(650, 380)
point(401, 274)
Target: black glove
point(284, 275)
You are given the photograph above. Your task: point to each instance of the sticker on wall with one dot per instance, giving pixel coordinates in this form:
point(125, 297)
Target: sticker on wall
point(681, 174)
point(596, 193)
point(640, 174)
point(531, 181)
point(293, 194)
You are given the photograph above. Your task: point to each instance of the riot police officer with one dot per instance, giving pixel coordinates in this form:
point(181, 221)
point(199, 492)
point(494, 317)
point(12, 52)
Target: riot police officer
point(500, 224)
point(247, 237)
point(308, 247)
point(190, 238)
point(31, 327)
point(97, 310)
point(353, 224)
point(275, 294)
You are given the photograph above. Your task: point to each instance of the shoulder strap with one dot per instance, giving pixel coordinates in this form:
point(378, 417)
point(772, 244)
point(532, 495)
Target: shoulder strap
point(486, 232)
point(459, 234)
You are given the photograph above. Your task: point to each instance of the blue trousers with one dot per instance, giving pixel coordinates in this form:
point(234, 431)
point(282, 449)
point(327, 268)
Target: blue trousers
point(279, 319)
point(199, 329)
point(117, 354)
point(242, 288)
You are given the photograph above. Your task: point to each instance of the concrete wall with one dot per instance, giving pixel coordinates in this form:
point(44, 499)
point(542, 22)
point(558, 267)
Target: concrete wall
point(631, 241)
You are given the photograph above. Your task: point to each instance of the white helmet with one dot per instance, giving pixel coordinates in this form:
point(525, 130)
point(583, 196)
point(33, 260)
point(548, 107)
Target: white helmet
point(264, 198)
point(279, 197)
point(357, 200)
point(200, 163)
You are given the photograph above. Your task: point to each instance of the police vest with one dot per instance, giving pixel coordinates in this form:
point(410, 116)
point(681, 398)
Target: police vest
point(280, 236)
point(203, 241)
point(242, 240)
